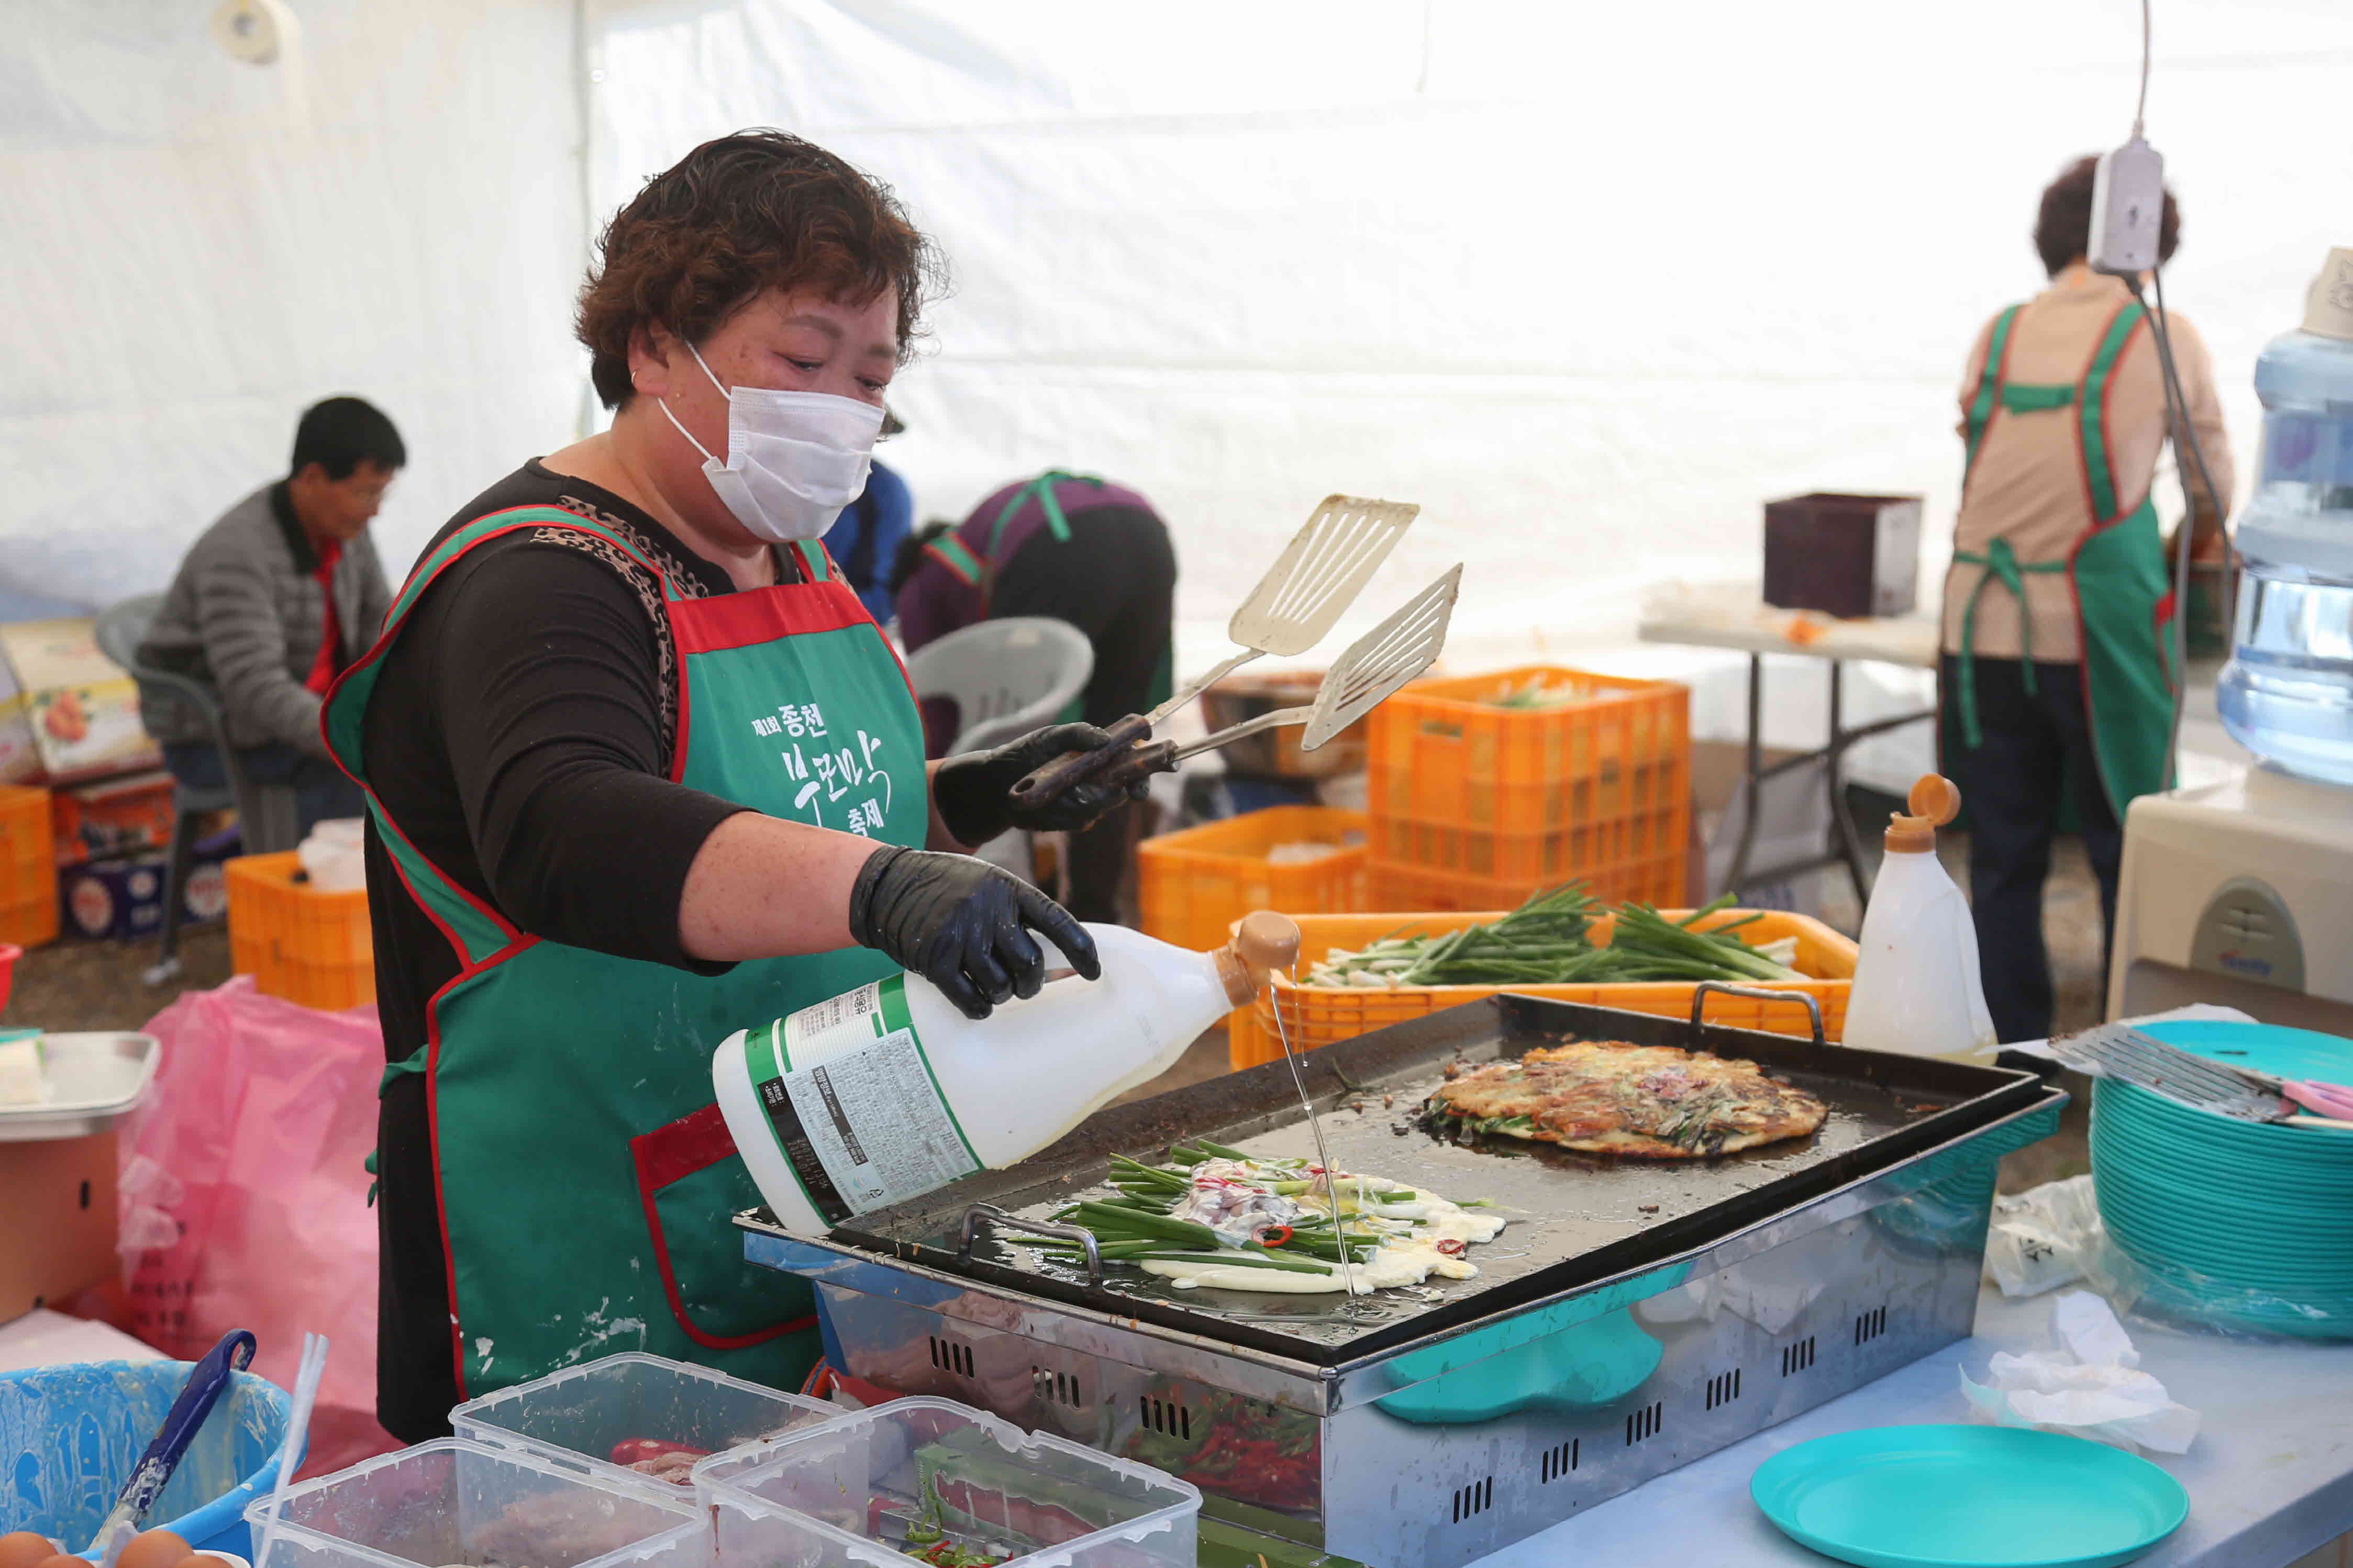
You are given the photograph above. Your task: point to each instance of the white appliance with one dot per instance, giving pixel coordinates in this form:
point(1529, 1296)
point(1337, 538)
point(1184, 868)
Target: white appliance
point(2240, 893)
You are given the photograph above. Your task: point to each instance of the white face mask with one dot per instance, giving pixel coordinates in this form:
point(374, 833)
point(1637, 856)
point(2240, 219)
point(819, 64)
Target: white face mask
point(794, 458)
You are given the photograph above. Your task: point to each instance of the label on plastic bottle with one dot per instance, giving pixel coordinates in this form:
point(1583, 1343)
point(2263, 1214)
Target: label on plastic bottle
point(855, 1108)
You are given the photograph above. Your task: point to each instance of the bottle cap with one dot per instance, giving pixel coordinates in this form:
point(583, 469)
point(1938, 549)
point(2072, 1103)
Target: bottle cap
point(2329, 307)
point(1934, 801)
point(1264, 941)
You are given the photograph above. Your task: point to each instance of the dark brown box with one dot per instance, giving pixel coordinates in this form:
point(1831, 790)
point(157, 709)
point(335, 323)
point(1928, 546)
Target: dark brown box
point(1841, 554)
point(57, 1220)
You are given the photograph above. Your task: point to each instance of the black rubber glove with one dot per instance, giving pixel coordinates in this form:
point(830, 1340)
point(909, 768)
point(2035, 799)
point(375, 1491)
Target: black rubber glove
point(959, 924)
point(973, 792)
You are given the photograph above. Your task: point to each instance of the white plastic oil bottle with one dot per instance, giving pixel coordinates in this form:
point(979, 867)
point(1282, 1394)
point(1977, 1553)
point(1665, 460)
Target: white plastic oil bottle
point(887, 1092)
point(1916, 986)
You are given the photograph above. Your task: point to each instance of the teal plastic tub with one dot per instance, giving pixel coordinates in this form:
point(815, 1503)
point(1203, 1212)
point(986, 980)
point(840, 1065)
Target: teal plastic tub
point(69, 1435)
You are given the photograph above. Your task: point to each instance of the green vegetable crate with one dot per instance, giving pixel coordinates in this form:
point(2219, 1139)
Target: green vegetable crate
point(1319, 1015)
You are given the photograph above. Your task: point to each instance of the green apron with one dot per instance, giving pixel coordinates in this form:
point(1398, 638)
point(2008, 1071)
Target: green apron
point(584, 1175)
point(2116, 571)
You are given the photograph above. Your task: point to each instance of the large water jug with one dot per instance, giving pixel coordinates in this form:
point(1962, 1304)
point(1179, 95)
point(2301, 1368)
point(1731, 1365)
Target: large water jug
point(2287, 693)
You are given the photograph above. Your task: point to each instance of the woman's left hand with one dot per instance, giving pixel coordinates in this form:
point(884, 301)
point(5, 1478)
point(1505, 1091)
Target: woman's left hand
point(974, 792)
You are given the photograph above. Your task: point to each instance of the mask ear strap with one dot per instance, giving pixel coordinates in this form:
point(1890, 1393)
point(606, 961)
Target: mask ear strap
point(673, 418)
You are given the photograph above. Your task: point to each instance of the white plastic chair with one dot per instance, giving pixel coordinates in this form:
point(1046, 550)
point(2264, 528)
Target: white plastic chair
point(1006, 678)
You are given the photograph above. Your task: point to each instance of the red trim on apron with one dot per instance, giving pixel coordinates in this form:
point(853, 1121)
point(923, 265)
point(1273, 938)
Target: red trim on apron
point(754, 615)
point(695, 1142)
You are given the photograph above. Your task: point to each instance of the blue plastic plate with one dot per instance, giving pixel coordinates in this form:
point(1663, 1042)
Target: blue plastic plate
point(1969, 1496)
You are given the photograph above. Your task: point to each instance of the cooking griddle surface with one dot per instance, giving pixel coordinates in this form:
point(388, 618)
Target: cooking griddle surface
point(1572, 1219)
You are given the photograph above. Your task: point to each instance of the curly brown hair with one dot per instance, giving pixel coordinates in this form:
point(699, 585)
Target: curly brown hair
point(2063, 224)
point(760, 209)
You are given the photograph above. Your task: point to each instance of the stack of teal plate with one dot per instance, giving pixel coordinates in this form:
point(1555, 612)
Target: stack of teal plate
point(2238, 1222)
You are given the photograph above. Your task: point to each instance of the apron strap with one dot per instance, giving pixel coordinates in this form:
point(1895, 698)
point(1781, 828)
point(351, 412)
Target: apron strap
point(1989, 379)
point(2099, 477)
point(962, 563)
point(2020, 399)
point(2002, 565)
point(1042, 488)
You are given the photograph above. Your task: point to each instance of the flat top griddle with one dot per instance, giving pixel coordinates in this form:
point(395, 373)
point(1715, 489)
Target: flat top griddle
point(1574, 1218)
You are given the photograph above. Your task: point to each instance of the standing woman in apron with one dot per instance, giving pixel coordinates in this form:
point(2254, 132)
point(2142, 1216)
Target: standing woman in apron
point(2057, 676)
point(640, 772)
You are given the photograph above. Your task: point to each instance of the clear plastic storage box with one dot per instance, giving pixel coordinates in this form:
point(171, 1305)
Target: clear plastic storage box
point(580, 1417)
point(456, 1504)
point(879, 1486)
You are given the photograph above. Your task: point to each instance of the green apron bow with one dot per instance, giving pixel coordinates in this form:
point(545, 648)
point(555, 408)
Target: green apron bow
point(2001, 565)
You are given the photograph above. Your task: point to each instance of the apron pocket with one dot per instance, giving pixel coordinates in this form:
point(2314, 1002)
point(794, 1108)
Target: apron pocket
point(687, 1175)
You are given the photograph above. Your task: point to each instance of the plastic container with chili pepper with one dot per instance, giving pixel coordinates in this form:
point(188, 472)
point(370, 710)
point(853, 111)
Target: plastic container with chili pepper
point(609, 1417)
point(919, 1476)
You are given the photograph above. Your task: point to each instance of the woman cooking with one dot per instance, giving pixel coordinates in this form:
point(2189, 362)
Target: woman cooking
point(641, 772)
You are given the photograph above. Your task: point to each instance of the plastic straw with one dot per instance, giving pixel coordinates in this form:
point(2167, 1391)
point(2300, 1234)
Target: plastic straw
point(298, 1431)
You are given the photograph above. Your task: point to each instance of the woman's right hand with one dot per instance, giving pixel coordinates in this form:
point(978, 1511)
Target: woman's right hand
point(964, 925)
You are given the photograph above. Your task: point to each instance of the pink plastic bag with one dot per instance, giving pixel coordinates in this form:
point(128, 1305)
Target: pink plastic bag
point(245, 1196)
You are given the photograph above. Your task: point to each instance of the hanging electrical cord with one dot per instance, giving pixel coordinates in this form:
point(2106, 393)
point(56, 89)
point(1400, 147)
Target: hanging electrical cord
point(2185, 438)
point(2140, 109)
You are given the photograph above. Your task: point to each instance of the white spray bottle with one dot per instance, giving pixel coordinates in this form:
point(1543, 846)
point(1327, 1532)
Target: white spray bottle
point(1917, 987)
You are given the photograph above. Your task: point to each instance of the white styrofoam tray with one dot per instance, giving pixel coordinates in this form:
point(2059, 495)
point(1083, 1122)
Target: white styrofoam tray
point(94, 1079)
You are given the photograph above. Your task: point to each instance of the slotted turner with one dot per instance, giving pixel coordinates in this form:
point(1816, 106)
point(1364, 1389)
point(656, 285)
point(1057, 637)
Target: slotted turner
point(1360, 680)
point(1304, 592)
point(2123, 1053)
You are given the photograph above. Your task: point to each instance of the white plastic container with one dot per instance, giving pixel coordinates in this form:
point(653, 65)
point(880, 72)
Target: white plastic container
point(1916, 990)
point(575, 1418)
point(454, 1502)
point(869, 1484)
point(888, 1092)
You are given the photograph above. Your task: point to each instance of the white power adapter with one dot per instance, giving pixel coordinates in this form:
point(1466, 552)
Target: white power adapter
point(2127, 206)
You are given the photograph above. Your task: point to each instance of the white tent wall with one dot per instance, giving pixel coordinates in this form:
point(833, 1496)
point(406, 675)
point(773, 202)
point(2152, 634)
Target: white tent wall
point(1590, 282)
point(191, 261)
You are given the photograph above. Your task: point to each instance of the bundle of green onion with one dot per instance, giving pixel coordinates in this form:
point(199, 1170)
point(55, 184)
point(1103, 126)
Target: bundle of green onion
point(1546, 942)
point(1136, 1226)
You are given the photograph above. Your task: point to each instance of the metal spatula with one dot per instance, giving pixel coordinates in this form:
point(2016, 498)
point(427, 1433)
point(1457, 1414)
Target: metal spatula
point(2125, 1053)
point(1310, 586)
point(1376, 665)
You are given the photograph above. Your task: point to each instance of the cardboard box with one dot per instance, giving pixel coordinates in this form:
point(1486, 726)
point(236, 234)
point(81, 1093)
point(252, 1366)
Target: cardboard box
point(81, 708)
point(57, 1227)
point(122, 899)
point(127, 816)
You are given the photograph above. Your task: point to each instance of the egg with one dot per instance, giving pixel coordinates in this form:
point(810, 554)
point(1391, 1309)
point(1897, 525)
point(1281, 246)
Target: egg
point(25, 1549)
point(62, 1562)
point(205, 1559)
point(154, 1549)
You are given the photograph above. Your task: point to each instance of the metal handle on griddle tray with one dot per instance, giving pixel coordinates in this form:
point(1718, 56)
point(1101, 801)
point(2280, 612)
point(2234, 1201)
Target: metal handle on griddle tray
point(999, 1217)
point(1758, 993)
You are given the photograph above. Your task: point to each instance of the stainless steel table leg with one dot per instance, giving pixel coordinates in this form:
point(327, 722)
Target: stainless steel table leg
point(1737, 873)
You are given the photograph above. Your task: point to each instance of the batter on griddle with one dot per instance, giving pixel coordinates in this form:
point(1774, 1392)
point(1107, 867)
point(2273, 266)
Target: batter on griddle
point(1607, 1097)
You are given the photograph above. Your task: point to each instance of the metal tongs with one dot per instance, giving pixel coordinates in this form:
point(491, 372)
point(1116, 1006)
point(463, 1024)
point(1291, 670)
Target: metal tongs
point(1294, 607)
point(1377, 664)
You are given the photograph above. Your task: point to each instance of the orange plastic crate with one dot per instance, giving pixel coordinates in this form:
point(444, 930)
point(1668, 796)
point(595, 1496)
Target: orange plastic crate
point(28, 875)
point(1529, 797)
point(310, 947)
point(1195, 884)
point(1655, 879)
point(1317, 1015)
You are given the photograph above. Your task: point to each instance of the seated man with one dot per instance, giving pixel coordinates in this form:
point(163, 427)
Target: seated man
point(270, 606)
